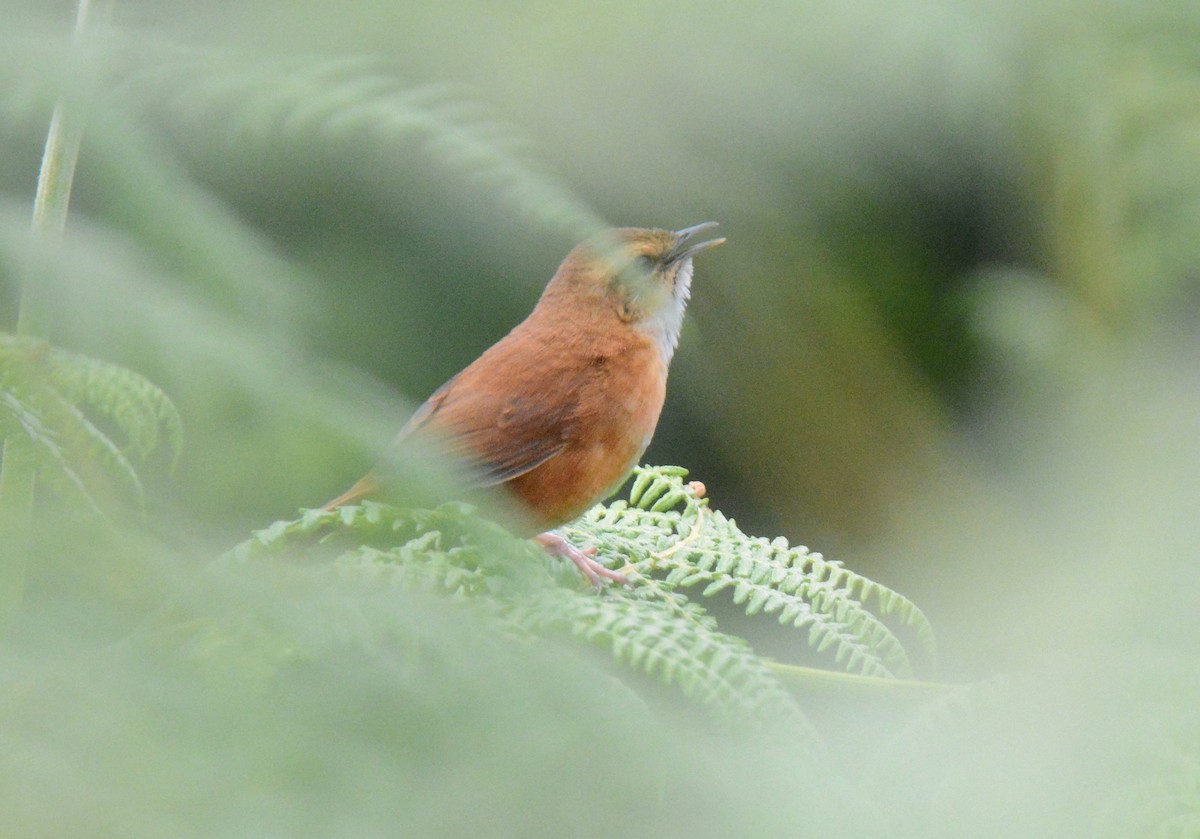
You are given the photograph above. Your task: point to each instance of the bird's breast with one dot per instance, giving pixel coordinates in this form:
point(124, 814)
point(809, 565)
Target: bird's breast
point(617, 405)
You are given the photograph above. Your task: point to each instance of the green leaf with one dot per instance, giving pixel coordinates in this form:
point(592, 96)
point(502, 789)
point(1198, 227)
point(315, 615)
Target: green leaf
point(675, 542)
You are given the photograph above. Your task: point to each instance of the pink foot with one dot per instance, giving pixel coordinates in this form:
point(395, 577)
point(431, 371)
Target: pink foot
point(592, 569)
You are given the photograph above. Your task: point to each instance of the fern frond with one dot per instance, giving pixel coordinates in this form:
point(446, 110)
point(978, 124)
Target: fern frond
point(432, 549)
point(652, 628)
point(340, 99)
point(665, 637)
point(18, 422)
point(87, 444)
point(45, 392)
point(449, 551)
point(665, 527)
point(138, 407)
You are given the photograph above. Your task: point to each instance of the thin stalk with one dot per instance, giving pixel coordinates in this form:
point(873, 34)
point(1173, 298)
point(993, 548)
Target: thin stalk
point(812, 680)
point(50, 204)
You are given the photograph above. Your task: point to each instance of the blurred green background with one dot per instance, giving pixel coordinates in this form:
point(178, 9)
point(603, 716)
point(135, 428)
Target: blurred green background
point(952, 340)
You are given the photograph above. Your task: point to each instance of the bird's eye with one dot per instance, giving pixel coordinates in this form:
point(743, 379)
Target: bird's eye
point(645, 263)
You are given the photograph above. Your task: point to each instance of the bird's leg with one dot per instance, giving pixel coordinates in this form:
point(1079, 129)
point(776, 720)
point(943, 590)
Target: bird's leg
point(590, 568)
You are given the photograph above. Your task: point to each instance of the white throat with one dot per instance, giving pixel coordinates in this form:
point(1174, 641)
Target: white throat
point(664, 325)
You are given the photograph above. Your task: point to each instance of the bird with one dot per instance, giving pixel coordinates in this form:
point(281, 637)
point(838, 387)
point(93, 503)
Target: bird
point(561, 409)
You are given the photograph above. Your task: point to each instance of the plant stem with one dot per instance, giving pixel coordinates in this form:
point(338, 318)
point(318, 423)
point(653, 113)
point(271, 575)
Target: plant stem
point(50, 205)
point(813, 679)
point(49, 214)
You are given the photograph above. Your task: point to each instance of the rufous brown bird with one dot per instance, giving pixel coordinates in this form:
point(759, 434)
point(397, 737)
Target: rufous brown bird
point(560, 410)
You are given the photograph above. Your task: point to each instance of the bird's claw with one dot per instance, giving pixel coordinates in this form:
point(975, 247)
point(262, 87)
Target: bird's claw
point(595, 571)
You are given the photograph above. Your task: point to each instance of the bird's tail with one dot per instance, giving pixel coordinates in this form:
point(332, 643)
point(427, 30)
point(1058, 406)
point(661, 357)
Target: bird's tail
point(364, 487)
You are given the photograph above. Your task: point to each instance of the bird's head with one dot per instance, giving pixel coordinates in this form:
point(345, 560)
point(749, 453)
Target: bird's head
point(635, 276)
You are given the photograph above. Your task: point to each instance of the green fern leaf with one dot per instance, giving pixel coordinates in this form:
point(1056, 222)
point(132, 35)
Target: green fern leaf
point(343, 99)
point(671, 538)
point(138, 407)
point(696, 546)
point(21, 425)
point(48, 394)
point(88, 444)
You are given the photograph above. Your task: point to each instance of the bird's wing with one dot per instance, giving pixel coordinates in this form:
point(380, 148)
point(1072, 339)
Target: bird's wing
point(490, 423)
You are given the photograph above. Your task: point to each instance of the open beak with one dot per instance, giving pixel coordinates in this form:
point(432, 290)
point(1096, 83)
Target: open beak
point(682, 237)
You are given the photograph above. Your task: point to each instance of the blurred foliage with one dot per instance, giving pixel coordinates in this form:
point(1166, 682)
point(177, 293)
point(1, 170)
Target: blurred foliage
point(670, 542)
point(50, 403)
point(953, 336)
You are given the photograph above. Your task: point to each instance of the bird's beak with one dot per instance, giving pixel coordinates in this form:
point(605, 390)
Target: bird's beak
point(680, 253)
